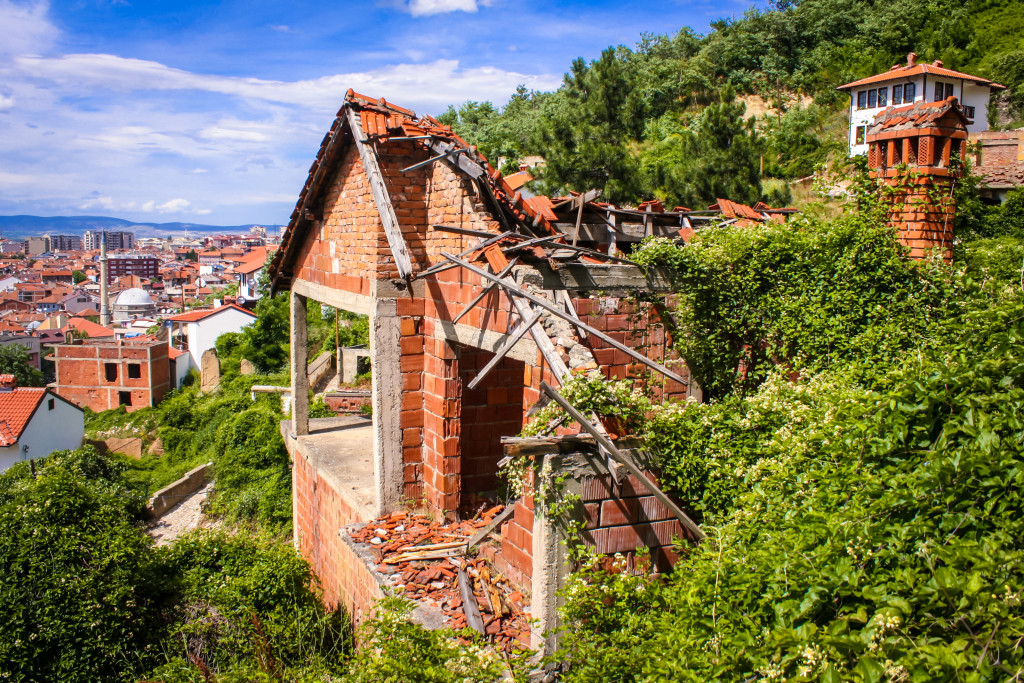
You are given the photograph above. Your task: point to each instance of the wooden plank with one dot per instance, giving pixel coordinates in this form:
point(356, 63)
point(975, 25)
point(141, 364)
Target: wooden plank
point(472, 168)
point(446, 266)
point(383, 200)
point(606, 443)
point(469, 606)
point(479, 536)
point(544, 343)
point(512, 288)
point(511, 341)
point(571, 310)
point(462, 231)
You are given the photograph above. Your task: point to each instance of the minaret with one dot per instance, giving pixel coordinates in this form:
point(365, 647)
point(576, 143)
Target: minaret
point(104, 284)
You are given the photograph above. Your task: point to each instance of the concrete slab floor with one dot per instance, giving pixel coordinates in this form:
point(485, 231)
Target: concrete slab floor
point(341, 449)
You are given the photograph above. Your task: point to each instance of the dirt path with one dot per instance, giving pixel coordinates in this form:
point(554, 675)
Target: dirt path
point(184, 516)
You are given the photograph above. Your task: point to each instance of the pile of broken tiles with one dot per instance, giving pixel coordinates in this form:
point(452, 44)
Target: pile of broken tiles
point(422, 558)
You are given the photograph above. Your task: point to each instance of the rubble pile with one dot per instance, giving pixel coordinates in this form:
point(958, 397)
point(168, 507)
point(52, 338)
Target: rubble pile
point(422, 559)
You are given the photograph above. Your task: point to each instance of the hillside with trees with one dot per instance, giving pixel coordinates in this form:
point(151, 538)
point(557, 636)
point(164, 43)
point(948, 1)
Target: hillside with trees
point(666, 118)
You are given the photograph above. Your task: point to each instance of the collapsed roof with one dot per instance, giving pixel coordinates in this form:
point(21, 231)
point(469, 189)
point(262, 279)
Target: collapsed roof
point(575, 227)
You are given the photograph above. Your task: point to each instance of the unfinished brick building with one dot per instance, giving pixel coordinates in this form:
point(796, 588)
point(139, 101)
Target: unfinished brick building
point(477, 299)
point(106, 374)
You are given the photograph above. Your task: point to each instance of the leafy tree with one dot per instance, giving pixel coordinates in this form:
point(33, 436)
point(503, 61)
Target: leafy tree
point(78, 276)
point(191, 255)
point(716, 155)
point(14, 360)
point(585, 138)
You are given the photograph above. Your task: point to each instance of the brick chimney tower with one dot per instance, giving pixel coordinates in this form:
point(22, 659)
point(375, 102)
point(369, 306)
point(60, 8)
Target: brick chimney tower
point(912, 149)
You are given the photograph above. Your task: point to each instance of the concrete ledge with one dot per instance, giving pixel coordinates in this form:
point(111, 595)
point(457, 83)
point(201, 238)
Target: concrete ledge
point(172, 494)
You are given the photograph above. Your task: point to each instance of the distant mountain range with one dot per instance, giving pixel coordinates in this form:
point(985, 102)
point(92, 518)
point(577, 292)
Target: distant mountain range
point(15, 227)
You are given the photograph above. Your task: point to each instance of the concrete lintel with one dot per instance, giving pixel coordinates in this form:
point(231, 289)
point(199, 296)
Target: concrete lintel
point(525, 349)
point(612, 278)
point(386, 381)
point(339, 298)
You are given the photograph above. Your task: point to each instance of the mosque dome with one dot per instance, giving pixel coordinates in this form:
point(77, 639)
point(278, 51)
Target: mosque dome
point(133, 303)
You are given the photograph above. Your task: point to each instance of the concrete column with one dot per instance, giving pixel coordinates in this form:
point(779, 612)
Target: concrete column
point(385, 359)
point(300, 380)
point(549, 567)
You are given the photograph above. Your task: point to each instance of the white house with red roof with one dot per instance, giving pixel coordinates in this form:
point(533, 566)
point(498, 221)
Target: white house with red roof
point(35, 422)
point(905, 84)
point(196, 331)
point(248, 272)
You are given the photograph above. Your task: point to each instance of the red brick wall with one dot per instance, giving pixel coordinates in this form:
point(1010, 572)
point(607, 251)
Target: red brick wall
point(319, 515)
point(347, 404)
point(629, 519)
point(490, 411)
point(923, 214)
point(622, 520)
point(81, 376)
point(516, 557)
point(641, 329)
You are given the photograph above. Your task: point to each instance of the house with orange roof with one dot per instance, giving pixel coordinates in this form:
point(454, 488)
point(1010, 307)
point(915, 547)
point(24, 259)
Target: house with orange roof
point(905, 84)
point(248, 272)
point(196, 331)
point(35, 422)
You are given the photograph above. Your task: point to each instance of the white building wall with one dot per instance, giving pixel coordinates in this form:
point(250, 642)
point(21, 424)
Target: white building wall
point(62, 428)
point(969, 95)
point(203, 335)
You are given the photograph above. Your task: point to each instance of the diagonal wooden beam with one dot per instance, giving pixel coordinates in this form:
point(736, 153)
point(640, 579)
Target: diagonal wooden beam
point(479, 297)
point(511, 341)
point(606, 443)
point(382, 198)
point(512, 288)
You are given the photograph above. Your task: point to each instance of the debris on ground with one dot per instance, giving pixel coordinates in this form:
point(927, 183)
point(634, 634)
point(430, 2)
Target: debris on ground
point(423, 557)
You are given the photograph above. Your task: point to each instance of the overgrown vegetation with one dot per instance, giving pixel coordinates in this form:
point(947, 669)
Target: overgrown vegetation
point(856, 472)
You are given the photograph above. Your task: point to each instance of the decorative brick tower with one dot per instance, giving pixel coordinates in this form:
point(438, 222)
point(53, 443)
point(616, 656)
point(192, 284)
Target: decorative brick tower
point(913, 149)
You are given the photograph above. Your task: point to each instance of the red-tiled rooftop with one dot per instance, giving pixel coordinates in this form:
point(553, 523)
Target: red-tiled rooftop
point(918, 114)
point(16, 409)
point(905, 71)
point(201, 313)
point(90, 328)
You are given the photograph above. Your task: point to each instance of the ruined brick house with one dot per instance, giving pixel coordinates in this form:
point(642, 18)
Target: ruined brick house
point(476, 296)
point(103, 374)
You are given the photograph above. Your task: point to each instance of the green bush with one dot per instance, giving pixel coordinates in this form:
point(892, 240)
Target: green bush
point(395, 650)
point(248, 608)
point(80, 588)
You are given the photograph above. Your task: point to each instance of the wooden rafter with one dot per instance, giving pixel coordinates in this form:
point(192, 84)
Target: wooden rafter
point(392, 229)
point(514, 292)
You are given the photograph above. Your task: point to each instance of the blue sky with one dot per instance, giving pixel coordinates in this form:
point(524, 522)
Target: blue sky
point(211, 112)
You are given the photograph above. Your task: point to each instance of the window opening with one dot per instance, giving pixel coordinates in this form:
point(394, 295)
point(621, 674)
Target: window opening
point(897, 94)
point(110, 371)
point(883, 94)
point(134, 371)
point(124, 398)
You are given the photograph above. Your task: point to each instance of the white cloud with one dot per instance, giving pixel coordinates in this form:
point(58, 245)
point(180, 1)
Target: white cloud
point(6, 101)
point(174, 206)
point(424, 8)
point(433, 84)
point(26, 28)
